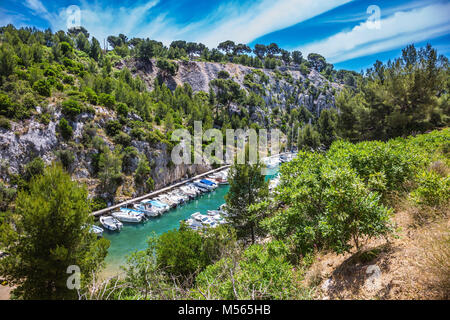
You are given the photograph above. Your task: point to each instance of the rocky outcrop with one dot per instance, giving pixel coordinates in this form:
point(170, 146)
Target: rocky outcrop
point(286, 88)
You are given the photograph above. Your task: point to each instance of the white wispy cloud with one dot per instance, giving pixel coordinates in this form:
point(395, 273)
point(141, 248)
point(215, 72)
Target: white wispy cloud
point(36, 6)
point(232, 20)
point(397, 30)
point(262, 18)
point(102, 21)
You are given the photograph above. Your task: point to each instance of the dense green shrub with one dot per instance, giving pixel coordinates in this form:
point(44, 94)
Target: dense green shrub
point(262, 272)
point(97, 203)
point(113, 127)
point(107, 100)
point(328, 205)
point(65, 129)
point(33, 168)
point(433, 189)
point(68, 79)
point(122, 109)
point(71, 108)
point(66, 157)
point(43, 87)
point(391, 160)
point(91, 96)
point(6, 105)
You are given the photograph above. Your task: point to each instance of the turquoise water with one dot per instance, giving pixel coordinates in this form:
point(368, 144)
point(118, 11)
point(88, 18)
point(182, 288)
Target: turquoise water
point(134, 236)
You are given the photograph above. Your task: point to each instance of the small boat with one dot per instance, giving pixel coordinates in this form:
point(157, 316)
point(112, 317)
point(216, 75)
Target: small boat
point(209, 183)
point(189, 192)
point(111, 223)
point(193, 224)
point(162, 207)
point(97, 230)
point(167, 200)
point(128, 215)
point(146, 207)
point(200, 184)
point(203, 188)
point(196, 216)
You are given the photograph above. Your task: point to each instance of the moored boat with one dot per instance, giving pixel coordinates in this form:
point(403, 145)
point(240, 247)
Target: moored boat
point(128, 215)
point(111, 223)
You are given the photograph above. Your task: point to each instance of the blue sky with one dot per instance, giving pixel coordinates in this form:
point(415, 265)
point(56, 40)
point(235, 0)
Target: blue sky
point(343, 31)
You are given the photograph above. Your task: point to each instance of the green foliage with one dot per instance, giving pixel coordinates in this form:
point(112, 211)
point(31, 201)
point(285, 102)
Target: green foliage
point(122, 109)
point(142, 176)
point(380, 110)
point(110, 170)
point(327, 124)
point(97, 203)
point(261, 273)
point(6, 105)
point(65, 129)
point(391, 160)
point(33, 168)
point(113, 127)
point(43, 240)
point(180, 252)
point(4, 123)
point(107, 100)
point(247, 187)
point(328, 205)
point(167, 67)
point(66, 157)
point(7, 195)
point(43, 87)
point(433, 190)
point(71, 108)
point(308, 138)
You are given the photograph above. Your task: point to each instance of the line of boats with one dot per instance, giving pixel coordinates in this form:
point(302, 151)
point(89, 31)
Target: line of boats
point(157, 206)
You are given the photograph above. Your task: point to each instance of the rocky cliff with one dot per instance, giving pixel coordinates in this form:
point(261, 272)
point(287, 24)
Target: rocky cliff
point(25, 140)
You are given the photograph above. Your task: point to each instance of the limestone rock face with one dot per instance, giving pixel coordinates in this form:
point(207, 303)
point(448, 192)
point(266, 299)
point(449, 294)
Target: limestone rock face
point(286, 88)
point(282, 89)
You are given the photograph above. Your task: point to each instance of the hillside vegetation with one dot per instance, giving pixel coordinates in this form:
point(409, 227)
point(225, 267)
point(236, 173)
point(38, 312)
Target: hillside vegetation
point(88, 127)
point(372, 204)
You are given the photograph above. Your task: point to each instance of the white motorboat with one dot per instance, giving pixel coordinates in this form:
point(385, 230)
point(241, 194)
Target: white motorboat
point(146, 207)
point(111, 223)
point(204, 186)
point(158, 205)
point(167, 200)
point(128, 215)
point(97, 230)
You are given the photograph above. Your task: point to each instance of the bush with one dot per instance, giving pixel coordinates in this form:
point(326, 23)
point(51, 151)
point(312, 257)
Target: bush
point(122, 139)
point(328, 206)
point(107, 100)
point(122, 109)
point(391, 160)
point(6, 105)
point(68, 79)
point(66, 157)
point(433, 190)
point(113, 127)
point(43, 87)
point(97, 203)
point(223, 74)
point(92, 98)
point(4, 123)
point(262, 273)
point(71, 108)
point(180, 252)
point(33, 168)
point(65, 129)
